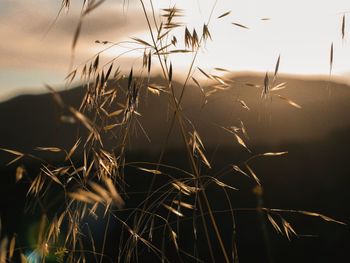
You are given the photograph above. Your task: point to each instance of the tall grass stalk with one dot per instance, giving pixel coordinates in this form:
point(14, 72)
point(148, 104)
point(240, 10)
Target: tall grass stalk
point(91, 176)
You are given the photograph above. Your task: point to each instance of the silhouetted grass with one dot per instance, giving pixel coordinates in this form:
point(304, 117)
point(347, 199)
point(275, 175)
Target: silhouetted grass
point(97, 205)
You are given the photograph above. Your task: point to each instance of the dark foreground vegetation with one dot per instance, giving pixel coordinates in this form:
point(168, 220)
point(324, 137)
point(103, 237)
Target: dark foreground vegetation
point(313, 176)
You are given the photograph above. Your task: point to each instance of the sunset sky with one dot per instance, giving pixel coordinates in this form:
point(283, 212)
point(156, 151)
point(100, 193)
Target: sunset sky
point(33, 53)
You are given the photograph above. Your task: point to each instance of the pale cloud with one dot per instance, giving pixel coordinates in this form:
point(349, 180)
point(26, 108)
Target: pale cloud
point(26, 40)
point(30, 47)
point(300, 31)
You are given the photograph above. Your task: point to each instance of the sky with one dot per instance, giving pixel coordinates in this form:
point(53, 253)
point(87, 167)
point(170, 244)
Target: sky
point(36, 50)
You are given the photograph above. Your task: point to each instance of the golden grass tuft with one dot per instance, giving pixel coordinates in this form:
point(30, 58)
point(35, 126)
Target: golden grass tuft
point(110, 109)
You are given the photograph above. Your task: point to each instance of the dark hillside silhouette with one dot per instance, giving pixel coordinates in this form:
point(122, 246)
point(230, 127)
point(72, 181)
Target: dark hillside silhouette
point(313, 176)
